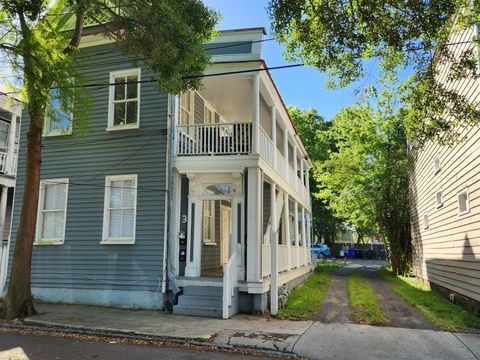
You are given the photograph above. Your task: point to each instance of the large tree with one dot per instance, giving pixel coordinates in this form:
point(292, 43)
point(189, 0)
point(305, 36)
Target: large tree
point(40, 45)
point(313, 131)
point(365, 181)
point(342, 37)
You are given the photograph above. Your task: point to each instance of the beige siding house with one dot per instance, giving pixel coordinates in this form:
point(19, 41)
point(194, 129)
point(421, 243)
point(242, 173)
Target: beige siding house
point(445, 191)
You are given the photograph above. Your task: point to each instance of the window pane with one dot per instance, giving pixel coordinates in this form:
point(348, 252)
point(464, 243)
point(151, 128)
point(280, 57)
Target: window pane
point(116, 194)
point(131, 112)
point(59, 219)
point(128, 194)
point(119, 116)
point(132, 87)
point(127, 226)
point(115, 225)
point(59, 196)
point(49, 199)
point(119, 88)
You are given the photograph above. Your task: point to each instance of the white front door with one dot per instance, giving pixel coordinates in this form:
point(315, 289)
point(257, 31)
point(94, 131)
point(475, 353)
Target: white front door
point(225, 230)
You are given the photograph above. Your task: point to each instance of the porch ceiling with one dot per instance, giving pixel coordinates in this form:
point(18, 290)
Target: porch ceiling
point(231, 96)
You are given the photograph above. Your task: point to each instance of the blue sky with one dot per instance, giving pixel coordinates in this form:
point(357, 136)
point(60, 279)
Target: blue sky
point(303, 87)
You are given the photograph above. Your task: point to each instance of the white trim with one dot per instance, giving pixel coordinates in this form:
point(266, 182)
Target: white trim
point(41, 202)
point(439, 191)
point(467, 204)
point(111, 95)
point(106, 210)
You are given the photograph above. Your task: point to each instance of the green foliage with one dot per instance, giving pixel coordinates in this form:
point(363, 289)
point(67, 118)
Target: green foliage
point(365, 180)
point(306, 299)
point(313, 131)
point(340, 37)
point(363, 301)
point(439, 311)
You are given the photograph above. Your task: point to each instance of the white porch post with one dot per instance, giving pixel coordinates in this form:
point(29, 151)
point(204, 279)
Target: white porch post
point(285, 144)
point(254, 224)
point(274, 253)
point(286, 221)
point(309, 240)
point(256, 114)
point(308, 181)
point(194, 241)
point(11, 144)
point(274, 133)
point(3, 210)
point(302, 173)
point(304, 245)
point(295, 166)
point(295, 227)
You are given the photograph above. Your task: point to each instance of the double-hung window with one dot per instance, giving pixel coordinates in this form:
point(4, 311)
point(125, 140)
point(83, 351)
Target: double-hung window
point(52, 212)
point(124, 102)
point(120, 209)
point(58, 119)
point(209, 222)
point(463, 200)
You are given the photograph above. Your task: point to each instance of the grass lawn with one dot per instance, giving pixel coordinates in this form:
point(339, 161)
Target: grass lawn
point(306, 299)
point(363, 301)
point(437, 309)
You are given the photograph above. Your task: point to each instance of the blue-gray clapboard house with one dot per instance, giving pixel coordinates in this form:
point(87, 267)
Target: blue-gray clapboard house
point(202, 195)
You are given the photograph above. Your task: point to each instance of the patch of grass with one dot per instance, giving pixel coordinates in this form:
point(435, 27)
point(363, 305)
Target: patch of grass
point(306, 299)
point(363, 301)
point(438, 310)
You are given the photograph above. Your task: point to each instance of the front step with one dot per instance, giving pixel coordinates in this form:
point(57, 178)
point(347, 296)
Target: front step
point(200, 301)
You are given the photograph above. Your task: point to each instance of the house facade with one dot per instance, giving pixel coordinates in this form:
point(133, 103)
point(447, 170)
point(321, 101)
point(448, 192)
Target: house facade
point(10, 112)
point(198, 200)
point(445, 198)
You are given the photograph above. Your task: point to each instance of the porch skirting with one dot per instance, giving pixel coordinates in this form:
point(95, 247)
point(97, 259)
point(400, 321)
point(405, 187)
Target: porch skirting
point(124, 299)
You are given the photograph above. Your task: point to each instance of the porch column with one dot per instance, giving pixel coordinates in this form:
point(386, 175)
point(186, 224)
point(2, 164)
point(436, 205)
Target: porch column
point(3, 210)
point(274, 254)
point(254, 224)
point(286, 221)
point(309, 239)
point(302, 174)
point(194, 241)
point(304, 245)
point(295, 166)
point(295, 229)
point(285, 143)
point(256, 114)
point(11, 144)
point(273, 119)
point(307, 173)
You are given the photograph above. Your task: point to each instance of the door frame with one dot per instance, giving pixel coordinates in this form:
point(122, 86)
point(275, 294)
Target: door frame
point(225, 245)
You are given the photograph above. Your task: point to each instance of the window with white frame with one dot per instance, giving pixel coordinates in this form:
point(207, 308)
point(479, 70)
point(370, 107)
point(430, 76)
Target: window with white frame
point(437, 165)
point(120, 209)
point(124, 103)
point(209, 222)
point(426, 221)
point(463, 202)
point(52, 212)
point(186, 108)
point(439, 197)
point(58, 120)
point(4, 132)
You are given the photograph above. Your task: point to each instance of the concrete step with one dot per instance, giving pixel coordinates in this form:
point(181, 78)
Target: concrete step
point(203, 301)
point(198, 311)
point(214, 291)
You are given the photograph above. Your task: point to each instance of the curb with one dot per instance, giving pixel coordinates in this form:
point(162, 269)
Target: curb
point(34, 327)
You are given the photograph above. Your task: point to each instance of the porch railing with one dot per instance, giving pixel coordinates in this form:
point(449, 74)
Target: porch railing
point(282, 257)
point(214, 139)
point(230, 283)
point(266, 260)
point(8, 166)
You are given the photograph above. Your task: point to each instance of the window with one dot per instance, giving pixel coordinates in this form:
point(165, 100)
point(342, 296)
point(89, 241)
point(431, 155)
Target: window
point(437, 166)
point(426, 222)
point(439, 197)
point(120, 209)
point(186, 108)
point(209, 222)
point(4, 132)
point(463, 202)
point(52, 212)
point(124, 103)
point(58, 121)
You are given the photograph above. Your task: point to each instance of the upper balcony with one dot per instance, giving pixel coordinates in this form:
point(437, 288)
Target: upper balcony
point(10, 111)
point(239, 117)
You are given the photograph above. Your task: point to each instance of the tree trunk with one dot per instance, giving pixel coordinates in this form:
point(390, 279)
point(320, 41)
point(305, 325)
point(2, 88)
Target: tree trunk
point(19, 302)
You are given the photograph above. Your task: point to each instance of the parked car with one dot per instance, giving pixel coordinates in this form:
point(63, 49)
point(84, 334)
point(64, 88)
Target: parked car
point(320, 251)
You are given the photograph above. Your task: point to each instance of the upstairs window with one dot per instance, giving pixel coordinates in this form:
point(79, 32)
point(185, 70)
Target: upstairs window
point(439, 198)
point(120, 209)
point(52, 212)
point(58, 120)
point(463, 200)
point(426, 221)
point(437, 166)
point(124, 103)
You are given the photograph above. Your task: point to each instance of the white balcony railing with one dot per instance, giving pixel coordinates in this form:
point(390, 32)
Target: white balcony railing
point(214, 139)
point(8, 165)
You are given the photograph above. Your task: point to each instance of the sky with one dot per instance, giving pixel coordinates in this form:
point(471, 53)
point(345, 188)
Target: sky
point(304, 87)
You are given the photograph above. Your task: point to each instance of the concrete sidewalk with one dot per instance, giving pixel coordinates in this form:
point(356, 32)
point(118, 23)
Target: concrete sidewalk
point(305, 338)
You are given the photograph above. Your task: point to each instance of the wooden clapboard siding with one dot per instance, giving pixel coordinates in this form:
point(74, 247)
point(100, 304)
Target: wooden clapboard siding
point(448, 252)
